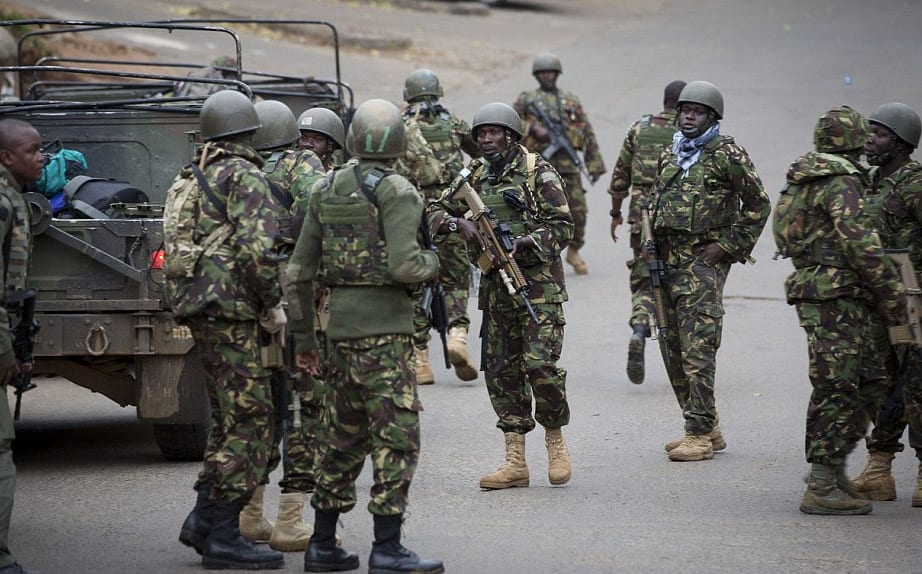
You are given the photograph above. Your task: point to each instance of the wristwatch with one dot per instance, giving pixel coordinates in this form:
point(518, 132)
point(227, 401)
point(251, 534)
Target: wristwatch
point(453, 225)
point(614, 214)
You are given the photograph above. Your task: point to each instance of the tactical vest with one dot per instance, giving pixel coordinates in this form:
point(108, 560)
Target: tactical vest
point(651, 139)
point(792, 215)
point(697, 202)
point(439, 134)
point(354, 248)
point(895, 211)
point(183, 240)
point(16, 245)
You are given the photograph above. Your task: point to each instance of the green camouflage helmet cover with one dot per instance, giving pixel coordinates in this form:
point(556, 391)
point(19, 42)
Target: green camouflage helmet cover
point(323, 121)
point(226, 113)
point(279, 126)
point(377, 131)
point(546, 62)
point(901, 120)
point(420, 83)
point(840, 129)
point(704, 93)
point(497, 114)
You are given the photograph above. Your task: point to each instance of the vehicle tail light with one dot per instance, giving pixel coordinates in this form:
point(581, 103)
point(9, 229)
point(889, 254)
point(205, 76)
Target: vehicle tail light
point(157, 258)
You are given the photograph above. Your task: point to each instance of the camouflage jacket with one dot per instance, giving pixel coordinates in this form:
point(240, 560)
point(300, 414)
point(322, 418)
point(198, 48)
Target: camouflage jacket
point(721, 199)
point(294, 172)
point(240, 279)
point(635, 170)
point(546, 219)
point(10, 193)
point(448, 137)
point(842, 257)
point(358, 311)
point(565, 108)
point(900, 213)
point(419, 164)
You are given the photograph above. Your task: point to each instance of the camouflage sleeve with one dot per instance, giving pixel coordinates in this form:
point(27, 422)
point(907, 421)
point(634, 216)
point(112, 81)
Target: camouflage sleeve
point(843, 203)
point(306, 171)
point(253, 211)
point(595, 165)
point(620, 185)
point(555, 223)
point(755, 206)
point(446, 207)
point(7, 358)
point(419, 164)
point(300, 276)
point(401, 212)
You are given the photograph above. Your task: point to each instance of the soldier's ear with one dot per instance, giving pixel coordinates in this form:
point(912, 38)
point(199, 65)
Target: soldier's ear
point(6, 157)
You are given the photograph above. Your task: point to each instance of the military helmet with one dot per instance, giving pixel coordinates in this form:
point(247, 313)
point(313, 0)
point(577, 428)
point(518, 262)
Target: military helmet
point(901, 120)
point(840, 129)
point(323, 121)
point(279, 126)
point(546, 62)
point(704, 93)
point(422, 82)
point(226, 113)
point(376, 131)
point(497, 114)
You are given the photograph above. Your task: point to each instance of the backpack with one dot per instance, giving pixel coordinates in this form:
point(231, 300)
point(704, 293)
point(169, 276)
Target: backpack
point(788, 221)
point(91, 197)
point(62, 166)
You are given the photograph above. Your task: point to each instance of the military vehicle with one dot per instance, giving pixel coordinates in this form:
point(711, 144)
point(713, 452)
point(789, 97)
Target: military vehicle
point(97, 261)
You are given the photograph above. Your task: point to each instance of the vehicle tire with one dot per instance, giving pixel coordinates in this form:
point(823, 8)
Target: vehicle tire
point(181, 442)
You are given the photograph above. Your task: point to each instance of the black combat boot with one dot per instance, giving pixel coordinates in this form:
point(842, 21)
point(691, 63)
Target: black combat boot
point(388, 556)
point(635, 366)
point(226, 549)
point(198, 524)
point(322, 554)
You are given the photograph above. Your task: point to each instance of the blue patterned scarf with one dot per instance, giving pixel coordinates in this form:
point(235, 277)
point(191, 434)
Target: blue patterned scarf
point(687, 150)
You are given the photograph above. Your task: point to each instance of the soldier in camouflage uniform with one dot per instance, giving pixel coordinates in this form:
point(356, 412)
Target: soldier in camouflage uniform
point(634, 174)
point(21, 163)
point(360, 240)
point(448, 136)
point(842, 285)
point(564, 109)
point(525, 192)
point(708, 209)
point(297, 398)
point(894, 200)
point(220, 236)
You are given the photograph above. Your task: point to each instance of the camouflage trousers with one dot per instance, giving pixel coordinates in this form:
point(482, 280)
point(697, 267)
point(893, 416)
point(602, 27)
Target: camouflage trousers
point(576, 197)
point(902, 405)
point(848, 377)
point(642, 309)
point(694, 311)
point(455, 277)
point(300, 450)
point(521, 361)
point(239, 392)
point(372, 408)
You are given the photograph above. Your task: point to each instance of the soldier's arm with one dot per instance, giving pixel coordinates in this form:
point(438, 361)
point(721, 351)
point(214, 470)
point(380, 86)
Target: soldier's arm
point(755, 206)
point(7, 357)
point(555, 223)
point(620, 184)
point(401, 211)
point(300, 277)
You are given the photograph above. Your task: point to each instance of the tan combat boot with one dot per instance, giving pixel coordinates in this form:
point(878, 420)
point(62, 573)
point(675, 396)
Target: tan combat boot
point(457, 354)
point(290, 533)
point(917, 495)
point(823, 496)
point(253, 525)
point(558, 458)
point(513, 472)
point(574, 259)
point(693, 447)
point(717, 440)
point(876, 482)
point(424, 375)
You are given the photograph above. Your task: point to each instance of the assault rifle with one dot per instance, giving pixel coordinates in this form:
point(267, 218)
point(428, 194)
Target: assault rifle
point(433, 302)
point(21, 304)
point(657, 280)
point(498, 243)
point(559, 139)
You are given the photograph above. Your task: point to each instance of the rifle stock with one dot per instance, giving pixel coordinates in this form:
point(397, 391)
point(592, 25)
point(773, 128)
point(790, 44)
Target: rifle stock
point(559, 140)
point(657, 279)
point(497, 240)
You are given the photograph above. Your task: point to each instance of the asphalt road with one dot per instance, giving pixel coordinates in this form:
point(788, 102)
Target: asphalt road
point(94, 496)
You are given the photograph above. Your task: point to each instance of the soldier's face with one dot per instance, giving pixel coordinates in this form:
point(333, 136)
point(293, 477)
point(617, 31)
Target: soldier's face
point(880, 142)
point(315, 142)
point(23, 155)
point(492, 140)
point(694, 119)
point(547, 79)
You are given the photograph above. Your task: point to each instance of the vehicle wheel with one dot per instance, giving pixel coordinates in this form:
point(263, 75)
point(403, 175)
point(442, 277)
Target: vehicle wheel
point(181, 441)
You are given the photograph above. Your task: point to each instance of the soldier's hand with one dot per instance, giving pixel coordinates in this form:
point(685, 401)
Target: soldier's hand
point(615, 222)
point(8, 372)
point(521, 243)
point(273, 320)
point(539, 132)
point(712, 253)
point(468, 231)
point(309, 362)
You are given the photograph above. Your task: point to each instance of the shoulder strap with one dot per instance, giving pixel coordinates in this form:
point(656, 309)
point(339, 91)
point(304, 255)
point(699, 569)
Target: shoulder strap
point(530, 160)
point(369, 184)
point(203, 183)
